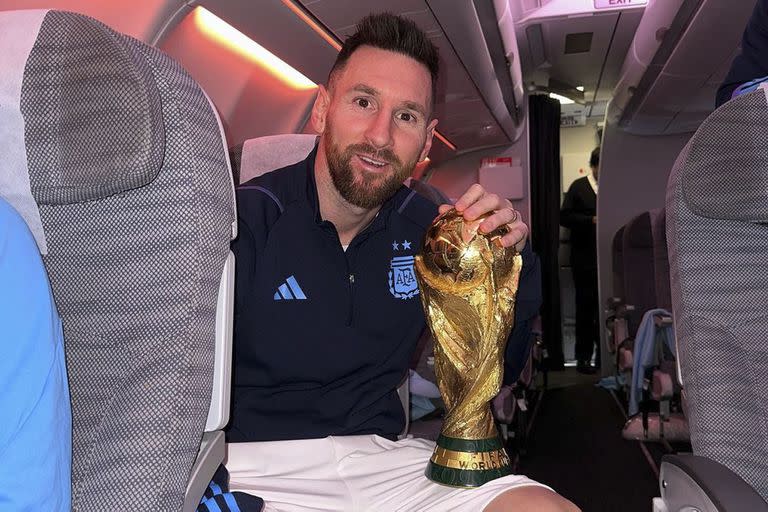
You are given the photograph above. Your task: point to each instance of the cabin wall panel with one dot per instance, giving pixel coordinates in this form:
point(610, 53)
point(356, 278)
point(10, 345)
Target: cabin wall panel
point(453, 177)
point(252, 100)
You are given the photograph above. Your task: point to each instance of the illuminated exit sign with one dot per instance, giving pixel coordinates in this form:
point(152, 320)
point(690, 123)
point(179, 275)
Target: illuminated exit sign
point(613, 4)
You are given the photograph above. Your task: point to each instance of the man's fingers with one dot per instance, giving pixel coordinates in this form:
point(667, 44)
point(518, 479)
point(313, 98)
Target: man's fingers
point(486, 204)
point(516, 237)
point(501, 217)
point(471, 196)
point(444, 208)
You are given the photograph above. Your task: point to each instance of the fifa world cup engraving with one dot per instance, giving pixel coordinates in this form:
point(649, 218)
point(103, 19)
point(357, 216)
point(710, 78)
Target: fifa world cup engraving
point(468, 285)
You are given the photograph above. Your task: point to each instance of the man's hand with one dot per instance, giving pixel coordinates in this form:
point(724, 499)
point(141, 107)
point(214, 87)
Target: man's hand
point(476, 202)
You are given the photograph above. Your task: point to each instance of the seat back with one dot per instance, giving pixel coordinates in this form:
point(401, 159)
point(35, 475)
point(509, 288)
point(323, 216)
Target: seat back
point(660, 258)
point(617, 258)
point(124, 156)
point(639, 290)
point(717, 230)
point(260, 155)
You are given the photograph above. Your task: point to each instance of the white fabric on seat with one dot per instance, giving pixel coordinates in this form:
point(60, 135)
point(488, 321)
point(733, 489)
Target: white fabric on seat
point(264, 154)
point(18, 33)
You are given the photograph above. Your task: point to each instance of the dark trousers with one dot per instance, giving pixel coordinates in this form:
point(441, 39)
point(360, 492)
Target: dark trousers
point(587, 317)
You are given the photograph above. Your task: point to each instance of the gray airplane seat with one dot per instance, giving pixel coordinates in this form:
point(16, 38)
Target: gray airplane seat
point(637, 256)
point(664, 385)
point(617, 257)
point(637, 252)
point(117, 162)
point(717, 230)
point(617, 310)
point(660, 258)
point(646, 357)
point(657, 363)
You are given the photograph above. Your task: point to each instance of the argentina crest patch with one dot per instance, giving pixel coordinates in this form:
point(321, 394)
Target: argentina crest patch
point(402, 278)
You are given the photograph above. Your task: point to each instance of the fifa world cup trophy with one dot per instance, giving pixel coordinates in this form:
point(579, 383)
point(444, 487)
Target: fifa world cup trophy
point(468, 285)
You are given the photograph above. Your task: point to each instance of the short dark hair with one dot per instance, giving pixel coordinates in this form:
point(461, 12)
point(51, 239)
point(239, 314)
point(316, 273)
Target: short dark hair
point(594, 158)
point(388, 31)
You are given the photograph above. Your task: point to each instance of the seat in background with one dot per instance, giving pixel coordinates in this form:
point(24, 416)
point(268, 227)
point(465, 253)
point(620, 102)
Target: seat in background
point(663, 386)
point(639, 297)
point(639, 285)
point(117, 159)
point(658, 380)
point(617, 256)
point(717, 229)
point(617, 310)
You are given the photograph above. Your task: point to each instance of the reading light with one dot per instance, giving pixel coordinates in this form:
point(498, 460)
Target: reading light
point(228, 36)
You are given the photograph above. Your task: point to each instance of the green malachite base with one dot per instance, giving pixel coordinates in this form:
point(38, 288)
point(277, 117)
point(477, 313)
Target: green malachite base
point(452, 463)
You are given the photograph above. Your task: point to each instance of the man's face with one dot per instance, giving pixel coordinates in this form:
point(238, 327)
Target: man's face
point(595, 171)
point(375, 124)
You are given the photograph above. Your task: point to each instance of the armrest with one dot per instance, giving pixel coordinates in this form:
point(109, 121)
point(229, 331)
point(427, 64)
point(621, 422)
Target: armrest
point(627, 307)
point(209, 458)
point(699, 482)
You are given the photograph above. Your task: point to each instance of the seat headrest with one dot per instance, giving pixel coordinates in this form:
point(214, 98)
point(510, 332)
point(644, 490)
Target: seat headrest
point(618, 240)
point(92, 113)
point(431, 192)
point(725, 164)
point(637, 233)
point(256, 156)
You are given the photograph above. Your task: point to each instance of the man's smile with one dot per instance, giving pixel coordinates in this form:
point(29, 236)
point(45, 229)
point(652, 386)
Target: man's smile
point(372, 163)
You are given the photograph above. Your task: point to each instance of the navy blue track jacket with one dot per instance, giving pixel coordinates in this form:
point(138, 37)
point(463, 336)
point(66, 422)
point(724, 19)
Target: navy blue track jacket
point(323, 336)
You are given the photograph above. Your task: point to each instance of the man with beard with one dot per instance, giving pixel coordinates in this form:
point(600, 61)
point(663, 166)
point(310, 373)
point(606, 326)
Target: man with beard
point(327, 307)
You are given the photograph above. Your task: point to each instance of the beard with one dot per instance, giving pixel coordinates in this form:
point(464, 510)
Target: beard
point(367, 190)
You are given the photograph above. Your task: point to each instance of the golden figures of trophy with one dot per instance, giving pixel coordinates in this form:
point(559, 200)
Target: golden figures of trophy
point(468, 285)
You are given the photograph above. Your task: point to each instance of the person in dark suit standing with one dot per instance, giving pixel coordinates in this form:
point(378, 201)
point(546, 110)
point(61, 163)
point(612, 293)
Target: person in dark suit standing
point(579, 215)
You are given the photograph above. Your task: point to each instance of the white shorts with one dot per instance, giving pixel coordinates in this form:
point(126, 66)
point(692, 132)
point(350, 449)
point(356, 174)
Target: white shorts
point(352, 474)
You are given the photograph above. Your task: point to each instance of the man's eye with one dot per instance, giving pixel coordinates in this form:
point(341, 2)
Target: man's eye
point(362, 102)
point(407, 117)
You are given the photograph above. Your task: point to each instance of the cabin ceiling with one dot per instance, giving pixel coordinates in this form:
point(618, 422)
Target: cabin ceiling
point(567, 52)
point(464, 117)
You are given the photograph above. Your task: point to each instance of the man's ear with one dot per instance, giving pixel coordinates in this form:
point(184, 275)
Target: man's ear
point(320, 109)
point(428, 142)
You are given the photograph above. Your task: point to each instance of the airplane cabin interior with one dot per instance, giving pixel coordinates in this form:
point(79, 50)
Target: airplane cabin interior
point(126, 144)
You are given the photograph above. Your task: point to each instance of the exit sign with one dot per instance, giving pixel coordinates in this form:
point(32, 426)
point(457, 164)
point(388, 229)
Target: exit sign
point(613, 4)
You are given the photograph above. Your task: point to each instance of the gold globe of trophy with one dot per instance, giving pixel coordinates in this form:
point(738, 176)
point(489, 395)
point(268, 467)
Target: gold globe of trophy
point(468, 284)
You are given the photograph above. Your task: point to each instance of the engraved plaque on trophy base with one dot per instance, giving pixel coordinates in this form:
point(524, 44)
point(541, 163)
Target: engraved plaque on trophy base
point(468, 462)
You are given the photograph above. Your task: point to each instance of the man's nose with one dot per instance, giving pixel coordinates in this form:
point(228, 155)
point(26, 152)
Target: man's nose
point(379, 132)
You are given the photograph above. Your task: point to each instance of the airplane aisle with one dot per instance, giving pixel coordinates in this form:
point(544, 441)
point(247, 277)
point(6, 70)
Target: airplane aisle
point(575, 446)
